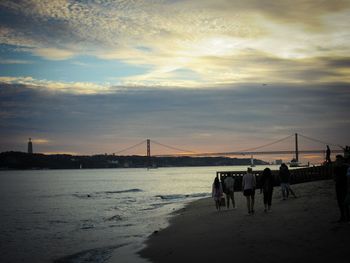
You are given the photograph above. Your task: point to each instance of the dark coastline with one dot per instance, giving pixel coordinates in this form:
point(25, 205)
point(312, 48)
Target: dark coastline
point(25, 161)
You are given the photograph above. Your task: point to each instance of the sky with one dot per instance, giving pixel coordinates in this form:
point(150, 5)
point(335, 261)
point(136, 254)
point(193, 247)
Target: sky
point(97, 76)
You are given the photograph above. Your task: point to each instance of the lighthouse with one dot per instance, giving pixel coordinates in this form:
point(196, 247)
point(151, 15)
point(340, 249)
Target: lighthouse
point(30, 146)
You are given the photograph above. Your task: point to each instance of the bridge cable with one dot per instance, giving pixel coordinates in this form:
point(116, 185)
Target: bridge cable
point(129, 148)
point(319, 141)
point(265, 145)
point(171, 147)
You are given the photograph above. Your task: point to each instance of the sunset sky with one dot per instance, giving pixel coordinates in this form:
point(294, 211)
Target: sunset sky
point(91, 77)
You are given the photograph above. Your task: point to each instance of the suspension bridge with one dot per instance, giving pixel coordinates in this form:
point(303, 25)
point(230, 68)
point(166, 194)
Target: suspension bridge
point(251, 151)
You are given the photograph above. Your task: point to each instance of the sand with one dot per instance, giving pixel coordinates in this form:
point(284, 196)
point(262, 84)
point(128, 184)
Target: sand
point(304, 229)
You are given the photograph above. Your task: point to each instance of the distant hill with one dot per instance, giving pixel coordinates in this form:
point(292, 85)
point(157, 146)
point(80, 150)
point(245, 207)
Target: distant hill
point(20, 160)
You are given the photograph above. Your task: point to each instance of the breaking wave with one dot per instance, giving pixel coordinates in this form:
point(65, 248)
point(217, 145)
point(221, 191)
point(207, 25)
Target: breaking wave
point(134, 190)
point(104, 193)
point(180, 196)
point(96, 255)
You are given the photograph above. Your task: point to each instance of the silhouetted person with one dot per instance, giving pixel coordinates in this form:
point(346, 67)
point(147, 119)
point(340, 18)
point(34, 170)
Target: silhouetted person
point(230, 191)
point(224, 190)
point(328, 155)
point(222, 180)
point(267, 183)
point(284, 175)
point(217, 192)
point(347, 197)
point(284, 180)
point(248, 188)
point(340, 171)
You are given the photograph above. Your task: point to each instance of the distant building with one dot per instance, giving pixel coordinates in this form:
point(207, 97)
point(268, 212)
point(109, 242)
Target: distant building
point(30, 146)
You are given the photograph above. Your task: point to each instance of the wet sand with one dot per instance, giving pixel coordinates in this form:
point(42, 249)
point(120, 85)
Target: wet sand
point(304, 229)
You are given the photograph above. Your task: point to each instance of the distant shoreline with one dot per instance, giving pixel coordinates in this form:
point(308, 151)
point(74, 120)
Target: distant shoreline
point(36, 161)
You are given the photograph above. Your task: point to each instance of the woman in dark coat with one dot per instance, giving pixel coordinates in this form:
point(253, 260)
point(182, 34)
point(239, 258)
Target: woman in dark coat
point(267, 183)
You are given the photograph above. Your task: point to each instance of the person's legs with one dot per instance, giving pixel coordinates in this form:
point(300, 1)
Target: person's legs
point(248, 203)
point(346, 212)
point(291, 191)
point(233, 200)
point(269, 199)
point(252, 203)
point(227, 200)
point(265, 200)
point(283, 188)
point(340, 201)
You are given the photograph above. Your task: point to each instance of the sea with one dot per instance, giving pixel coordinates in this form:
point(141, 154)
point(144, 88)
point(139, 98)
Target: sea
point(93, 215)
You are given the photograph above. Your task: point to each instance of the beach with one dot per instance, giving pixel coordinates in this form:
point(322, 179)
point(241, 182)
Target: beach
point(296, 230)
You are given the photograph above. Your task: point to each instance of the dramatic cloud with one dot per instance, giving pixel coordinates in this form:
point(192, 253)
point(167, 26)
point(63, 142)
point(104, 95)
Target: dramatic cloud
point(98, 75)
point(73, 87)
point(225, 119)
point(209, 39)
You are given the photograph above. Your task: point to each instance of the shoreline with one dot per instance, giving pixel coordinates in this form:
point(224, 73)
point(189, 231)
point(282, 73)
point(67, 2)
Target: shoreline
point(304, 228)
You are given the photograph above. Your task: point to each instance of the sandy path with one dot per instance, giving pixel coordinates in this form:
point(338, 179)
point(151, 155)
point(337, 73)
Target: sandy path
point(297, 230)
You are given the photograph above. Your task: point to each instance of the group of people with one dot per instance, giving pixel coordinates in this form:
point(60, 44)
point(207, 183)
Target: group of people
point(227, 187)
point(267, 182)
point(341, 172)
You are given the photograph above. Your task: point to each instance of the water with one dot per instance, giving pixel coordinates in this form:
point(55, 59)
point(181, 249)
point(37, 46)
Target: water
point(96, 215)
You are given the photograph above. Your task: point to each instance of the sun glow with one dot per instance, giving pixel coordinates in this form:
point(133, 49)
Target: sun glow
point(214, 46)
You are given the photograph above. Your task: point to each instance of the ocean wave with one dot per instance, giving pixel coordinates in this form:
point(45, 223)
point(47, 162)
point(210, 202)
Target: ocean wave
point(156, 206)
point(124, 225)
point(114, 218)
point(182, 196)
point(87, 226)
point(133, 190)
point(53, 222)
point(96, 255)
point(105, 193)
point(82, 196)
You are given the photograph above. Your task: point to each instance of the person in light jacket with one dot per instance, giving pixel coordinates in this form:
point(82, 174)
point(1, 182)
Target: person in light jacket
point(248, 188)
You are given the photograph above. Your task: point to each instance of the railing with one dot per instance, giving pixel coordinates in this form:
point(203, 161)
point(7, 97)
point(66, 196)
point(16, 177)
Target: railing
point(297, 176)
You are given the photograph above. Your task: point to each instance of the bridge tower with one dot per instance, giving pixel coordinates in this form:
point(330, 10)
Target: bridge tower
point(148, 152)
point(296, 148)
point(148, 148)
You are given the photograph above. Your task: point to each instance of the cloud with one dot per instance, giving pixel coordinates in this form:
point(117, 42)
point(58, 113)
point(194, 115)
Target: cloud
point(14, 61)
point(40, 141)
point(220, 119)
point(307, 12)
point(53, 53)
point(54, 86)
point(189, 43)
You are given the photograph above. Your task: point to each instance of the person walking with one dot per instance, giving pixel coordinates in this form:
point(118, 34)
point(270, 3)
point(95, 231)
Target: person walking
point(230, 191)
point(284, 176)
point(248, 187)
point(217, 192)
point(267, 183)
point(347, 197)
point(340, 177)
